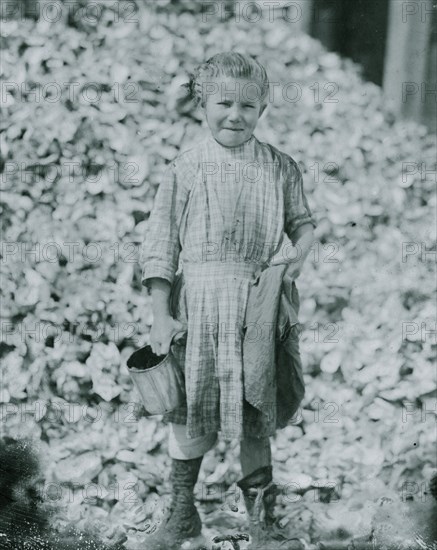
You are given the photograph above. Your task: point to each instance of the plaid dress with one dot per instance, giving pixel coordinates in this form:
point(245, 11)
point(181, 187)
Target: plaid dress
point(219, 215)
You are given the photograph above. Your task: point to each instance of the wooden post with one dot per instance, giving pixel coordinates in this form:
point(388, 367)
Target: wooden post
point(406, 86)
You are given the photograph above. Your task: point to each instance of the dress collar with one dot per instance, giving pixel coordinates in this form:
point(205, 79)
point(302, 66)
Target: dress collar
point(237, 151)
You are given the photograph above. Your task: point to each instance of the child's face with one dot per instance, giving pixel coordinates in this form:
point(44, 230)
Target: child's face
point(232, 109)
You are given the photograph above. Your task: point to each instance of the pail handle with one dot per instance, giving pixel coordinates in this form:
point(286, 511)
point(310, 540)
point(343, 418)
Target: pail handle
point(178, 335)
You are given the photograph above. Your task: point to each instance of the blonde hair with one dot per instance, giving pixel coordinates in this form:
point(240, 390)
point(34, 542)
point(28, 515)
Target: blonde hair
point(229, 64)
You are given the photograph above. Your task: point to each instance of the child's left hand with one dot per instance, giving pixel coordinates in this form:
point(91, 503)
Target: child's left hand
point(294, 267)
point(303, 240)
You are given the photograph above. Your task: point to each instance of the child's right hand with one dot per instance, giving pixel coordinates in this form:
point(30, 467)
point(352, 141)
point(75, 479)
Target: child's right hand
point(164, 327)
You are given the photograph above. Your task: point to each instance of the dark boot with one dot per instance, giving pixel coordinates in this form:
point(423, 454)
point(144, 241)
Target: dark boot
point(183, 521)
point(259, 494)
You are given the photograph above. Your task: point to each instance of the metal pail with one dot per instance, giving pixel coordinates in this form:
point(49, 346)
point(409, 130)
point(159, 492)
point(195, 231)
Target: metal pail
point(158, 378)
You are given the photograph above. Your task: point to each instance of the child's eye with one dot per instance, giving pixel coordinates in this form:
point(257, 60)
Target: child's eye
point(227, 103)
point(249, 106)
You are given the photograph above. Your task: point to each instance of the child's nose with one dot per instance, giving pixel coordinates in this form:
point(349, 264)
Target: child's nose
point(234, 114)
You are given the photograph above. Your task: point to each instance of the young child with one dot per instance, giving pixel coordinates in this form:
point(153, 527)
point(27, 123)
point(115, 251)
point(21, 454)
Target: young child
point(221, 209)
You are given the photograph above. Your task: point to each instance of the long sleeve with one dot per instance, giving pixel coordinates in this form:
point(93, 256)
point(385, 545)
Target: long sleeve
point(297, 210)
point(161, 246)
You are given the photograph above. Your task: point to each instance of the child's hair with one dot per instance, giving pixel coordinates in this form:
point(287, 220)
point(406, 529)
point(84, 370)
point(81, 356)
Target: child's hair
point(229, 64)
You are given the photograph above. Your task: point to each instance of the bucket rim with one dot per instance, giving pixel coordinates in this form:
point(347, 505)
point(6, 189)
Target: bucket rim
point(177, 336)
point(168, 356)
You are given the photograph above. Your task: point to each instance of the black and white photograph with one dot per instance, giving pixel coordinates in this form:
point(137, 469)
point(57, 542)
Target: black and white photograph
point(218, 275)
